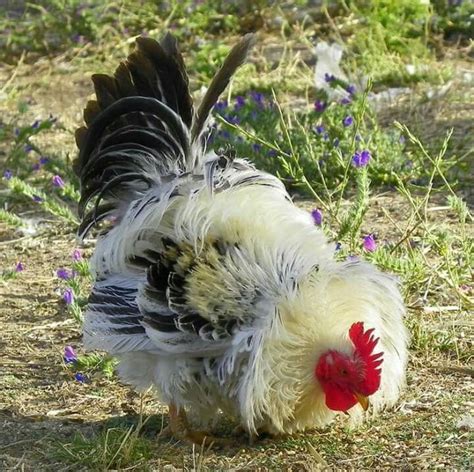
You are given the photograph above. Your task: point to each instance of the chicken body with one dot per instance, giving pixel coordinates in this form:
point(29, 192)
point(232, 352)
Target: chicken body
point(212, 286)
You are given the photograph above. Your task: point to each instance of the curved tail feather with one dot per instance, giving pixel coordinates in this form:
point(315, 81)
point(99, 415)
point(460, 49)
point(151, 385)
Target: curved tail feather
point(138, 129)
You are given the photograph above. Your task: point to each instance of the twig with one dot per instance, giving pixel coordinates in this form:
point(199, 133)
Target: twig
point(458, 370)
point(440, 309)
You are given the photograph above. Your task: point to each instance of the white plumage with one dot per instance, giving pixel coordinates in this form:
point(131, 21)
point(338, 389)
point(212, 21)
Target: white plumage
point(212, 286)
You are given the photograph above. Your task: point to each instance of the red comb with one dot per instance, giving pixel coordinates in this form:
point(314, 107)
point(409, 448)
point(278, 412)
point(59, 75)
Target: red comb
point(364, 344)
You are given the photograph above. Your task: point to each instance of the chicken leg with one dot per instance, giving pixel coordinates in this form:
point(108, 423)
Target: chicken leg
point(179, 427)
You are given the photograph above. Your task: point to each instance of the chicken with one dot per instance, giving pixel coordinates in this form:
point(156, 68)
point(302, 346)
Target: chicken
point(211, 285)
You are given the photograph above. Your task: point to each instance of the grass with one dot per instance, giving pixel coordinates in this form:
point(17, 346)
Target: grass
point(412, 197)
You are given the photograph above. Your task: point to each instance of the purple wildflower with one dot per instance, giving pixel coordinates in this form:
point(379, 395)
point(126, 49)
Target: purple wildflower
point(351, 89)
point(335, 143)
point(317, 215)
point(221, 106)
point(325, 137)
point(19, 267)
point(232, 119)
point(224, 134)
point(27, 148)
point(338, 247)
point(8, 174)
point(37, 199)
point(69, 355)
point(345, 101)
point(58, 181)
point(319, 106)
point(361, 159)
point(272, 153)
point(256, 147)
point(80, 377)
point(68, 296)
point(347, 121)
point(76, 255)
point(36, 167)
point(329, 77)
point(257, 97)
point(358, 138)
point(319, 129)
point(239, 102)
point(63, 274)
point(35, 124)
point(43, 160)
point(369, 243)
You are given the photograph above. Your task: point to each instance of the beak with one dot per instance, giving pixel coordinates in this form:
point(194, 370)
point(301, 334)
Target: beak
point(363, 400)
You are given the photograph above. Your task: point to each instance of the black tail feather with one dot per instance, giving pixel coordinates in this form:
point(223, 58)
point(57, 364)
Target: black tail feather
point(237, 57)
point(138, 128)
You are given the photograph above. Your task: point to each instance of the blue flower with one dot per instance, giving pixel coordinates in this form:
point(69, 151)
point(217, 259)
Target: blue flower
point(76, 255)
point(80, 377)
point(239, 102)
point(68, 296)
point(361, 159)
point(8, 174)
point(317, 215)
point(63, 274)
point(338, 247)
point(224, 134)
point(257, 97)
point(351, 89)
point(221, 105)
point(27, 148)
point(347, 121)
point(36, 167)
point(345, 101)
point(43, 160)
point(37, 199)
point(232, 119)
point(319, 129)
point(369, 243)
point(19, 267)
point(256, 147)
point(272, 153)
point(58, 181)
point(329, 77)
point(69, 355)
point(319, 106)
point(35, 124)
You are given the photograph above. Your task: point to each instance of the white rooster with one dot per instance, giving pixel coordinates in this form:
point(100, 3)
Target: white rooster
point(211, 285)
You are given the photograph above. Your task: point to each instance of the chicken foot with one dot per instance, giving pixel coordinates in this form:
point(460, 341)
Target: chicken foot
point(179, 427)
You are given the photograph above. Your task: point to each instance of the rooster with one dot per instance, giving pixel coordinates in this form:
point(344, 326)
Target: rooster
point(211, 286)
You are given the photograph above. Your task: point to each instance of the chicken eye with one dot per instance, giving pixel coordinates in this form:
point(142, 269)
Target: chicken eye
point(343, 372)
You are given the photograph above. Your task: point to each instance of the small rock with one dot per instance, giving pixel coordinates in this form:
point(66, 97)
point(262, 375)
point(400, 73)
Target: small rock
point(466, 423)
